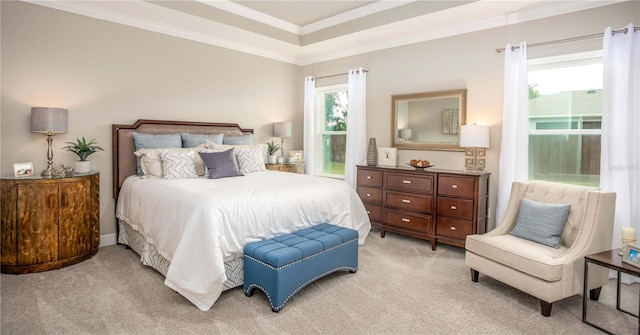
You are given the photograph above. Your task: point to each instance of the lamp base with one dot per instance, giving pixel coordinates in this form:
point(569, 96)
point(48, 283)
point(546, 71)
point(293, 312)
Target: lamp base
point(46, 173)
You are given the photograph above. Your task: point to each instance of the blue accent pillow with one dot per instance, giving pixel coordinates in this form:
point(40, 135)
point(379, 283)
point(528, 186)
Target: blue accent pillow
point(540, 222)
point(220, 164)
point(194, 140)
point(155, 141)
point(238, 140)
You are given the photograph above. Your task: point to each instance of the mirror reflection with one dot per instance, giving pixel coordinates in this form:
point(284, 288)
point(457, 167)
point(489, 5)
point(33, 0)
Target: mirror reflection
point(428, 121)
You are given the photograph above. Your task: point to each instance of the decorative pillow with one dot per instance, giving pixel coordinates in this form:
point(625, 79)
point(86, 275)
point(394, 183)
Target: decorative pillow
point(178, 164)
point(192, 140)
point(220, 164)
point(250, 157)
point(155, 141)
point(238, 140)
point(151, 161)
point(541, 222)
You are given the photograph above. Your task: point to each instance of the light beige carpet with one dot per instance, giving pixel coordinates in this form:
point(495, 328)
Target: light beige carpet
point(401, 287)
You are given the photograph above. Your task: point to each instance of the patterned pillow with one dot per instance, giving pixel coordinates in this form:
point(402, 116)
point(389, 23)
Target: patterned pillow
point(151, 161)
point(220, 164)
point(154, 141)
point(178, 164)
point(250, 158)
point(192, 140)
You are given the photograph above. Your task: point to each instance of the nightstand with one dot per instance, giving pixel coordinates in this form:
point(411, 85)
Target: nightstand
point(49, 223)
point(297, 167)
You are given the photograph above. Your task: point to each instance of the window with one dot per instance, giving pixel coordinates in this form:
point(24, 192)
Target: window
point(565, 113)
point(331, 137)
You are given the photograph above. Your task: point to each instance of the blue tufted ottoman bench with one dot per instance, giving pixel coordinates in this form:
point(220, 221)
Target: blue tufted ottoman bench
point(283, 265)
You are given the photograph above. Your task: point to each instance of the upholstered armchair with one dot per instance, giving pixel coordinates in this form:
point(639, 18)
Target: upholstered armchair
point(545, 272)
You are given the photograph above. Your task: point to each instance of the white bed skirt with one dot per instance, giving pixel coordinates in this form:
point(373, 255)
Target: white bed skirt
point(149, 256)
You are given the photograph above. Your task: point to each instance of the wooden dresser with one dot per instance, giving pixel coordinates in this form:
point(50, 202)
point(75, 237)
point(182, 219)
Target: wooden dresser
point(436, 205)
point(49, 223)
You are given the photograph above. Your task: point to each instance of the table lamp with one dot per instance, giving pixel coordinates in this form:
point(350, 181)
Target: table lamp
point(49, 121)
point(282, 130)
point(475, 139)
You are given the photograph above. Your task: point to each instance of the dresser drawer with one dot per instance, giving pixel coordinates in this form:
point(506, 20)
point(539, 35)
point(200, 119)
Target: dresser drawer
point(453, 228)
point(406, 201)
point(420, 223)
point(409, 182)
point(457, 208)
point(456, 186)
point(370, 195)
point(369, 178)
point(375, 212)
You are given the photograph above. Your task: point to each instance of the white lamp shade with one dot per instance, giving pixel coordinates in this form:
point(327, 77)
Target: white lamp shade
point(405, 133)
point(474, 136)
point(282, 129)
point(49, 120)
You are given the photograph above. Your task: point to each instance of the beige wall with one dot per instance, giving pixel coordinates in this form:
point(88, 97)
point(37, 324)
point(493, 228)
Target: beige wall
point(107, 73)
point(467, 61)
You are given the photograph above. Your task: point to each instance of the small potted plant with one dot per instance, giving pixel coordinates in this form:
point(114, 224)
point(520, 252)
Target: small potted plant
point(272, 148)
point(83, 149)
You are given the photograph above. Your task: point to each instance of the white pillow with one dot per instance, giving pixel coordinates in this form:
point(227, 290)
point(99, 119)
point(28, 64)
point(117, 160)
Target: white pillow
point(151, 162)
point(250, 158)
point(178, 164)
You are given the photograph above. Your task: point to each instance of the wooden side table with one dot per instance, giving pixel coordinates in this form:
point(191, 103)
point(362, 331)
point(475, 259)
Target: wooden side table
point(297, 167)
point(611, 260)
point(49, 223)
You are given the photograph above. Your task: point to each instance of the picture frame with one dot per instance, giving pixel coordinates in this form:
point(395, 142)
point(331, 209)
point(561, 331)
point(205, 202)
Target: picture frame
point(21, 170)
point(631, 255)
point(297, 154)
point(387, 156)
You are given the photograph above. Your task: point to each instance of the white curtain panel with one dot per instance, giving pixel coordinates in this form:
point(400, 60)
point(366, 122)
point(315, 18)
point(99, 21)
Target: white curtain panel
point(514, 158)
point(356, 151)
point(620, 155)
point(309, 125)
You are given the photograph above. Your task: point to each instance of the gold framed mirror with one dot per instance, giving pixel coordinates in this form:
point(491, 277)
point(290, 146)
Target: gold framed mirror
point(429, 120)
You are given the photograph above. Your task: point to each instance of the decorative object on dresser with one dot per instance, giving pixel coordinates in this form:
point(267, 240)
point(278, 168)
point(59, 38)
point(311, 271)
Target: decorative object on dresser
point(49, 223)
point(372, 152)
point(49, 121)
point(83, 149)
point(387, 156)
point(475, 139)
point(295, 167)
point(282, 130)
point(272, 148)
point(436, 205)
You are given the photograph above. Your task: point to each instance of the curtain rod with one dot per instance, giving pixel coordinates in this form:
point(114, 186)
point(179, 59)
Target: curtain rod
point(572, 39)
point(336, 75)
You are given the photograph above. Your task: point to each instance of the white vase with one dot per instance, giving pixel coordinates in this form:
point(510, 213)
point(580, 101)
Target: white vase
point(272, 159)
point(82, 166)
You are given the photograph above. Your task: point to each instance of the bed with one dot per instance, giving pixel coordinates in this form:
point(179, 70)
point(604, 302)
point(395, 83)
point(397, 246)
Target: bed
point(192, 230)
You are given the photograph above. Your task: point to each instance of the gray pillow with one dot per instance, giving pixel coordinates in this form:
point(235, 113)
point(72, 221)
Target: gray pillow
point(154, 141)
point(194, 140)
point(541, 222)
point(238, 140)
point(220, 164)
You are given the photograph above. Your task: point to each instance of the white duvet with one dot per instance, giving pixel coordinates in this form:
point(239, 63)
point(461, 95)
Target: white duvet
point(198, 224)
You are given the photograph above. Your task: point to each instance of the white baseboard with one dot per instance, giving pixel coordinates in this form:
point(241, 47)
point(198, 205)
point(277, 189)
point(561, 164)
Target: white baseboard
point(108, 239)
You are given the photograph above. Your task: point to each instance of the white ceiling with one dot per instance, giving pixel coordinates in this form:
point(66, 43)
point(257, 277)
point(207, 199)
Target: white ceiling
point(305, 31)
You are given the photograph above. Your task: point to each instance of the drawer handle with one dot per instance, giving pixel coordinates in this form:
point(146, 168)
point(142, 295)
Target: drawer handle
point(453, 228)
point(405, 220)
point(369, 177)
point(406, 181)
point(454, 186)
point(368, 194)
point(454, 208)
point(406, 201)
point(368, 212)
